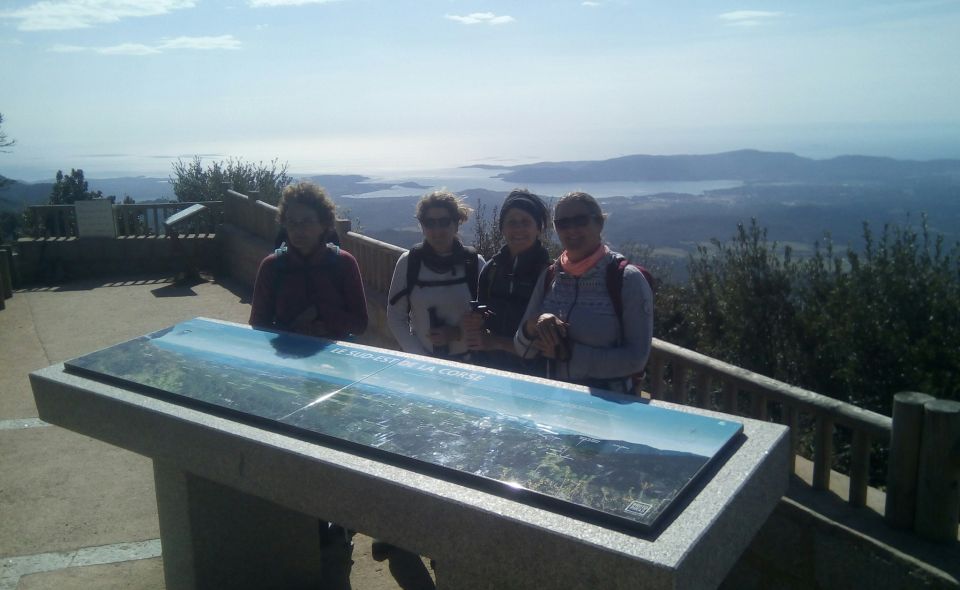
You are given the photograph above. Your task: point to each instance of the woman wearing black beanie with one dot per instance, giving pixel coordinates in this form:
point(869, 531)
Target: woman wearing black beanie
point(506, 283)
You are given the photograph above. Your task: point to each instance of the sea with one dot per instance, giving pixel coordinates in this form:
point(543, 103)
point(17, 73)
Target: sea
point(418, 182)
point(461, 179)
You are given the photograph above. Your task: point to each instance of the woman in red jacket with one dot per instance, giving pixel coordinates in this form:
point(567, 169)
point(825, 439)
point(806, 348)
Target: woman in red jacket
point(309, 286)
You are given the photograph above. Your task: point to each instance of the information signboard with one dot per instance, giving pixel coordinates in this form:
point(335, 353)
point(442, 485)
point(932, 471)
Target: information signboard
point(601, 456)
point(95, 219)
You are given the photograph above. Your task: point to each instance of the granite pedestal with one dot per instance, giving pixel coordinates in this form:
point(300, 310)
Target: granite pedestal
point(238, 501)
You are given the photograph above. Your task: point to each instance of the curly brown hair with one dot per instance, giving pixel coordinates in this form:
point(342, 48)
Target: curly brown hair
point(311, 195)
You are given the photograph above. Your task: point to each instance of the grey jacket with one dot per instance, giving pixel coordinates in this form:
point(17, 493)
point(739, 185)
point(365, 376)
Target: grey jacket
point(599, 349)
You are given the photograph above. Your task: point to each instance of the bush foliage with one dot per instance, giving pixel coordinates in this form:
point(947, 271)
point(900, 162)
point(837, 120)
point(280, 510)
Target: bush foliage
point(193, 182)
point(855, 324)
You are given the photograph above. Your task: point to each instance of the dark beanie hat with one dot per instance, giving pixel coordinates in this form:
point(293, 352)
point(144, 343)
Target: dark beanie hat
point(527, 201)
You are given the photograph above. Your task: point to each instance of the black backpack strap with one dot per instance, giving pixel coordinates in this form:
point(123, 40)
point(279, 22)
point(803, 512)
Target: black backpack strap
point(615, 285)
point(491, 277)
point(615, 271)
point(413, 274)
point(279, 270)
point(549, 276)
point(472, 272)
point(281, 266)
point(337, 264)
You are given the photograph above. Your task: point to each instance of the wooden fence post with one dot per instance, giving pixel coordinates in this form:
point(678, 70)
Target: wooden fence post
point(6, 274)
point(902, 467)
point(823, 452)
point(938, 484)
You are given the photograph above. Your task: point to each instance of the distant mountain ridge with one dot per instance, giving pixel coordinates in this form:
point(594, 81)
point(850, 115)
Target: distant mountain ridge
point(744, 165)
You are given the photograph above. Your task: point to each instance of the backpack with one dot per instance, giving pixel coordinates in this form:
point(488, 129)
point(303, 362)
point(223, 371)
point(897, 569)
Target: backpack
point(283, 263)
point(614, 281)
point(414, 260)
point(280, 241)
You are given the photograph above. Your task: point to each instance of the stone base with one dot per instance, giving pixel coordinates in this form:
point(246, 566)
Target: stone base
point(479, 540)
point(217, 537)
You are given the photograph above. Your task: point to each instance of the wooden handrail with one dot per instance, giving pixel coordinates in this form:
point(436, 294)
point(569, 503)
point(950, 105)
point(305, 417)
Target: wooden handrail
point(59, 221)
point(846, 414)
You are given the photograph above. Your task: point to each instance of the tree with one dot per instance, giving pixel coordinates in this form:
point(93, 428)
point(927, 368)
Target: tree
point(857, 325)
point(70, 189)
point(192, 182)
point(487, 238)
point(883, 320)
point(9, 226)
point(4, 142)
point(742, 307)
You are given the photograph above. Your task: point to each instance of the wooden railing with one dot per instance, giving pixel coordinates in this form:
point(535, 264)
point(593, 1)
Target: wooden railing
point(376, 259)
point(60, 221)
point(52, 221)
point(147, 219)
point(254, 216)
point(705, 382)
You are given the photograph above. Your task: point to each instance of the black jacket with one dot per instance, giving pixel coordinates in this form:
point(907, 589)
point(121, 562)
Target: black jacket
point(505, 286)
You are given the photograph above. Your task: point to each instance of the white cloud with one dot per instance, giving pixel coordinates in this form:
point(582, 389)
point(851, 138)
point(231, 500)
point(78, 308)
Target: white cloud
point(476, 18)
point(750, 18)
point(272, 3)
point(67, 49)
point(128, 49)
point(197, 43)
point(590, 3)
point(59, 15)
point(220, 42)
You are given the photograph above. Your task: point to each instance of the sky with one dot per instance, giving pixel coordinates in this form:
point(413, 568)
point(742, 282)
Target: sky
point(123, 87)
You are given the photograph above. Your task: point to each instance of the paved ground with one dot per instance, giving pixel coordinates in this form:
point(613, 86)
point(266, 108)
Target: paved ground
point(74, 512)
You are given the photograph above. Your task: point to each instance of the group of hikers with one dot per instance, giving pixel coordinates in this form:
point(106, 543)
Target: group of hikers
point(584, 318)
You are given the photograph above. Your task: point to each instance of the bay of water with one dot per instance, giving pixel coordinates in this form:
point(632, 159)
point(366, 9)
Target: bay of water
point(461, 179)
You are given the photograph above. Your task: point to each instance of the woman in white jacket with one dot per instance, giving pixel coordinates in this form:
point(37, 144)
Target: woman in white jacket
point(434, 282)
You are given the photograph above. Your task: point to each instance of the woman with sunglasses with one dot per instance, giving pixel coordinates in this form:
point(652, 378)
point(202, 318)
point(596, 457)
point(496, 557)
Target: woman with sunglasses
point(309, 286)
point(434, 282)
point(506, 284)
point(432, 287)
point(572, 319)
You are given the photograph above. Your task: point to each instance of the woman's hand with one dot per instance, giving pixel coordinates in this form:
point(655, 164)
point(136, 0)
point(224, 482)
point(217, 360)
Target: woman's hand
point(471, 323)
point(550, 335)
point(303, 323)
point(444, 335)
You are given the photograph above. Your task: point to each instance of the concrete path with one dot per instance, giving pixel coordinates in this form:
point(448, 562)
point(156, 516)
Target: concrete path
point(75, 512)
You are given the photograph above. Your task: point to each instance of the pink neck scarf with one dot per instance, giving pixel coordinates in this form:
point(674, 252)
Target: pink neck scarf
point(579, 268)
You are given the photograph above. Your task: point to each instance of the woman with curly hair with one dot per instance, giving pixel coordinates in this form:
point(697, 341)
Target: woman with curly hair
point(308, 286)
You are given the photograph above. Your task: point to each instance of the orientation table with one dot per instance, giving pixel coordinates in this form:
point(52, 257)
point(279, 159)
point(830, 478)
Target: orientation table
point(506, 481)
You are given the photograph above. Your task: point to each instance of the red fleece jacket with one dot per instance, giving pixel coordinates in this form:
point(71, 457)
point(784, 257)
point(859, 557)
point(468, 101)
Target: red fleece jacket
point(327, 279)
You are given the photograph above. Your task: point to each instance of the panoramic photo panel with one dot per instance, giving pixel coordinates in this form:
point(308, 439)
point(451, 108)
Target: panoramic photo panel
point(603, 457)
point(611, 457)
point(217, 364)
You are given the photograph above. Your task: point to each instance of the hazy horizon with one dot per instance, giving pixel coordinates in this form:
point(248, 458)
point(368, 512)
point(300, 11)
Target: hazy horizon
point(119, 165)
point(364, 86)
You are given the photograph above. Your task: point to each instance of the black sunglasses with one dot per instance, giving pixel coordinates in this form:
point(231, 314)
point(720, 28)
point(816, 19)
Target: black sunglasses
point(573, 221)
point(436, 222)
